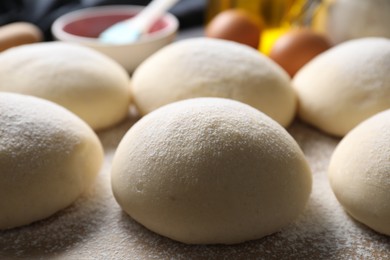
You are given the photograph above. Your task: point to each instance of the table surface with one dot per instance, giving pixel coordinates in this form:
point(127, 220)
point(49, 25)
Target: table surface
point(95, 227)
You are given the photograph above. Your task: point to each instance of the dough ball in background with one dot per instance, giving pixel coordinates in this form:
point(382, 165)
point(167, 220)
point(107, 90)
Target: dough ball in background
point(48, 157)
point(19, 33)
point(210, 171)
point(343, 20)
point(89, 84)
point(345, 85)
point(204, 67)
point(235, 25)
point(359, 172)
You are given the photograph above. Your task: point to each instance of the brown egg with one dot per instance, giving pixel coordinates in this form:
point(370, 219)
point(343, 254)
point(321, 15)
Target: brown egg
point(295, 48)
point(235, 25)
point(18, 33)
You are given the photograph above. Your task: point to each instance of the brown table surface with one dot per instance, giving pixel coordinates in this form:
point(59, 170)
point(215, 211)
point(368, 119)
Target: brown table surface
point(95, 227)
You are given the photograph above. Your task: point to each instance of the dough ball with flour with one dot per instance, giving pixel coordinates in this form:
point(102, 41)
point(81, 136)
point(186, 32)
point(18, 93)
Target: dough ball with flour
point(205, 67)
point(48, 157)
point(210, 171)
point(350, 19)
point(359, 172)
point(345, 85)
point(89, 84)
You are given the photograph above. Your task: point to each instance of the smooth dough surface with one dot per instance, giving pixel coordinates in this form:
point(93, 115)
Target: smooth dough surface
point(204, 67)
point(359, 172)
point(341, 23)
point(48, 157)
point(210, 171)
point(89, 84)
point(345, 85)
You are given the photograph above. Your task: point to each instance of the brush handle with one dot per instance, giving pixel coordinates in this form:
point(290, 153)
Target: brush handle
point(149, 15)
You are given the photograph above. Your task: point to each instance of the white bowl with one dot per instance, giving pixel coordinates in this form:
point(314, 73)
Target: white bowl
point(83, 27)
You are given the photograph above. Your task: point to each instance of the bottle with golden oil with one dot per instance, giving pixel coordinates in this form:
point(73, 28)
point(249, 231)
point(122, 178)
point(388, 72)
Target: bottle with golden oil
point(276, 16)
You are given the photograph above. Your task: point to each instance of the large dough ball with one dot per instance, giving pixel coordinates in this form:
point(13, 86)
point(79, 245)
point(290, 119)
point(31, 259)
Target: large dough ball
point(210, 170)
point(350, 19)
point(48, 157)
point(345, 85)
point(205, 67)
point(84, 81)
point(359, 172)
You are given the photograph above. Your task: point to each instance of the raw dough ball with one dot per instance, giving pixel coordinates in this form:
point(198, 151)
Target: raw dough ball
point(48, 157)
point(350, 19)
point(206, 67)
point(345, 85)
point(359, 172)
point(19, 33)
point(86, 82)
point(210, 170)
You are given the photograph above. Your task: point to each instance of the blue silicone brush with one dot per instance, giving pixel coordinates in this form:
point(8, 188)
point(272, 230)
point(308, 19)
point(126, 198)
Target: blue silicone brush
point(132, 29)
